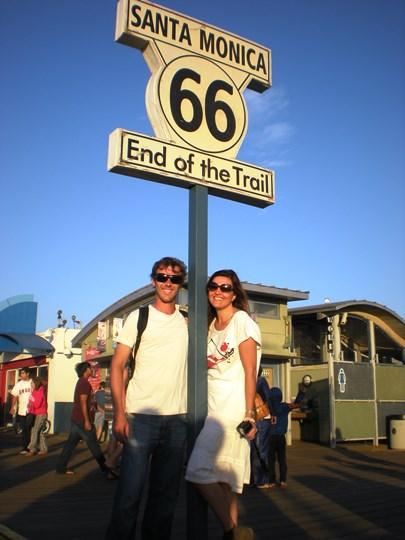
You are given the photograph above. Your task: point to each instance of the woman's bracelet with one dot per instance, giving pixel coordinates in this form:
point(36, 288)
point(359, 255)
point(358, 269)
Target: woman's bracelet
point(249, 419)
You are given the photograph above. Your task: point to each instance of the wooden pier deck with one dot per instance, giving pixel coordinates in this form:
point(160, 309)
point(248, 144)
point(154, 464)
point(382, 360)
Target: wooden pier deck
point(355, 491)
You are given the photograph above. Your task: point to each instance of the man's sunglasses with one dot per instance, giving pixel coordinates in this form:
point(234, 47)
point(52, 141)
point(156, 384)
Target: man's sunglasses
point(225, 287)
point(176, 279)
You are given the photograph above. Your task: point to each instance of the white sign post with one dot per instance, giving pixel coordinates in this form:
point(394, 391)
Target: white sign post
point(195, 104)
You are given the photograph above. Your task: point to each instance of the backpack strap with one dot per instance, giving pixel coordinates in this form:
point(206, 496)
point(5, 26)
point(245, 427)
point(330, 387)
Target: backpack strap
point(142, 322)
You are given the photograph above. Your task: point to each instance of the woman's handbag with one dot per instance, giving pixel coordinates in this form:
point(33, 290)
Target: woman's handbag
point(261, 407)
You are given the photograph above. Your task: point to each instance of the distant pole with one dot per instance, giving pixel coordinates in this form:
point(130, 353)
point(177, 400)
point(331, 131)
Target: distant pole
point(334, 356)
point(197, 356)
point(372, 360)
point(332, 423)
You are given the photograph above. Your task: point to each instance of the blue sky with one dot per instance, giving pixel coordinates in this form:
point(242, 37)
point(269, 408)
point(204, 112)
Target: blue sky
point(331, 127)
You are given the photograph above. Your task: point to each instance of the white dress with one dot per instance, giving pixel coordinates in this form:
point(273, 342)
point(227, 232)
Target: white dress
point(220, 454)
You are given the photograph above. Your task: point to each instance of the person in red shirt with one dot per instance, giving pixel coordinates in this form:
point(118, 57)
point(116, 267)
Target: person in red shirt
point(82, 426)
point(38, 407)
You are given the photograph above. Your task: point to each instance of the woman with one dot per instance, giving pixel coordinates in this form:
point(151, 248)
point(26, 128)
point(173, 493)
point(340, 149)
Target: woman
point(38, 407)
point(219, 464)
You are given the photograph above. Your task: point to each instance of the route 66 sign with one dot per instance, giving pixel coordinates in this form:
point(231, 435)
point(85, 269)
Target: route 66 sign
point(195, 103)
point(198, 104)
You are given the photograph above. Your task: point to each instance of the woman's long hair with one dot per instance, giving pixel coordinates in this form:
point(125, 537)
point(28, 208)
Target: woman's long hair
point(241, 299)
point(37, 382)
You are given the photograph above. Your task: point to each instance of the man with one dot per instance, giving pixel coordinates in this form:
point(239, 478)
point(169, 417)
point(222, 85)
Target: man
point(21, 392)
point(152, 422)
point(81, 426)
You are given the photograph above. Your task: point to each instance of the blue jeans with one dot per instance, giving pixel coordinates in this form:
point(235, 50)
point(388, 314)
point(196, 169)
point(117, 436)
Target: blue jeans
point(277, 450)
point(157, 442)
point(263, 428)
point(78, 432)
point(25, 423)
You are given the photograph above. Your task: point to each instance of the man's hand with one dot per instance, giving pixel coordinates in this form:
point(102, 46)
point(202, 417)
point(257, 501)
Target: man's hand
point(121, 428)
point(13, 405)
point(87, 425)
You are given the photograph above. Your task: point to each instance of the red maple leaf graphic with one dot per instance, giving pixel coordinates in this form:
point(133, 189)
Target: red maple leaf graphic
point(224, 346)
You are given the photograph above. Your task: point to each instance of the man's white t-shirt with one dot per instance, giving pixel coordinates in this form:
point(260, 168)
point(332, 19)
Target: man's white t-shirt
point(159, 383)
point(22, 390)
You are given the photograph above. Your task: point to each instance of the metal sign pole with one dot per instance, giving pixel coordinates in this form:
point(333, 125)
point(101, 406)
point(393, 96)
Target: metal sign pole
point(197, 356)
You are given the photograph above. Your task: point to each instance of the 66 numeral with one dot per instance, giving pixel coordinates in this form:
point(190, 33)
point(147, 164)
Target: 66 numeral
point(211, 105)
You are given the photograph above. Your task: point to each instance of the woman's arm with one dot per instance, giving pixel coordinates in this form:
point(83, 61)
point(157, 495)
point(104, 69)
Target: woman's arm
point(39, 399)
point(247, 351)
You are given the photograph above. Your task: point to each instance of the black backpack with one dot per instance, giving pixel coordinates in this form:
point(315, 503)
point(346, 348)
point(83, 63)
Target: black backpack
point(142, 323)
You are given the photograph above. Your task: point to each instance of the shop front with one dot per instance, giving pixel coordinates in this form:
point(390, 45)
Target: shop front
point(353, 353)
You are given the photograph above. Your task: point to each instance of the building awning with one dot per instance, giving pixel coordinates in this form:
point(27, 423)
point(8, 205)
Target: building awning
point(24, 343)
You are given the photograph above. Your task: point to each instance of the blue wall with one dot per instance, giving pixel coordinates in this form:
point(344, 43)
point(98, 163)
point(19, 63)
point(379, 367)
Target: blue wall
point(19, 314)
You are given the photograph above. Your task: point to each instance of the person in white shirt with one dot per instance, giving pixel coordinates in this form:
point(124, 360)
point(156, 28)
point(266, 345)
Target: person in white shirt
point(20, 395)
point(150, 418)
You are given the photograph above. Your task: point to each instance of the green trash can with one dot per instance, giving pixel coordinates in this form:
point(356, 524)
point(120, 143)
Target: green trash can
point(396, 439)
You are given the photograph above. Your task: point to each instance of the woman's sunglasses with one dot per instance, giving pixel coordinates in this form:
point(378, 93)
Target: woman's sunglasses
point(225, 287)
point(176, 279)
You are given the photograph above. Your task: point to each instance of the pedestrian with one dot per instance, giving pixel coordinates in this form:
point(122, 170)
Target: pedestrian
point(219, 464)
point(99, 417)
point(263, 434)
point(279, 411)
point(20, 395)
point(114, 446)
point(152, 422)
point(81, 425)
point(38, 408)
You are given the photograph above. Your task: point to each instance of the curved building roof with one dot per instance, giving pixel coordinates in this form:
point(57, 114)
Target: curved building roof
point(135, 298)
point(384, 316)
point(145, 294)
